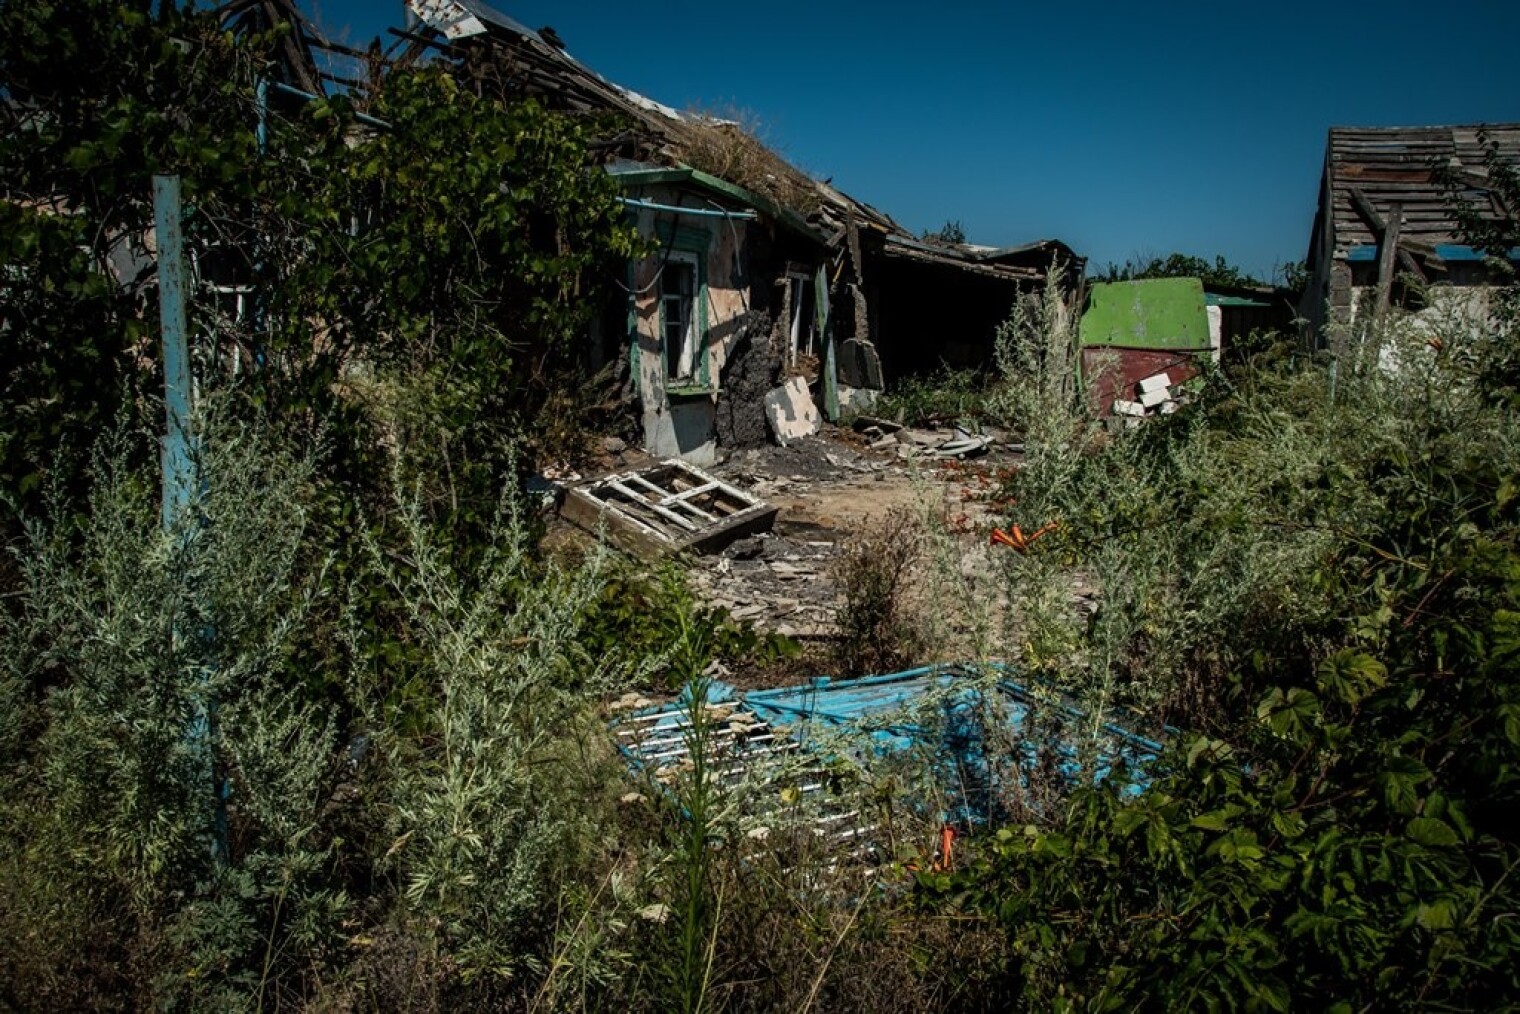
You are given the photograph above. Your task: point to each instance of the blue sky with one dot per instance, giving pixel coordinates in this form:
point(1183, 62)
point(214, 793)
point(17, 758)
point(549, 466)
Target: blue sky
point(1121, 128)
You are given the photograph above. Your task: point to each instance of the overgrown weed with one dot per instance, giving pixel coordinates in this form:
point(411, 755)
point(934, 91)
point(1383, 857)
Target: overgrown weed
point(878, 630)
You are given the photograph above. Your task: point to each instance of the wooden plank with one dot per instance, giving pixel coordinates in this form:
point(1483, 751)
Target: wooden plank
point(664, 512)
point(640, 480)
point(638, 525)
point(1369, 213)
point(675, 502)
point(1387, 251)
point(1406, 259)
point(622, 528)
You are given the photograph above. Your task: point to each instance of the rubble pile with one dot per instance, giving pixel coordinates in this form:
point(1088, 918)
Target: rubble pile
point(1154, 395)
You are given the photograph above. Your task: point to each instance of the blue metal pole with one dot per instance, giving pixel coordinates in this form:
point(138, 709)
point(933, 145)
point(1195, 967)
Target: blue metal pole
point(180, 481)
point(178, 468)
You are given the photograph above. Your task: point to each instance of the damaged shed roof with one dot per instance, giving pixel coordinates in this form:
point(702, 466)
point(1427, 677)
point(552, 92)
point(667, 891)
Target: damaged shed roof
point(1371, 170)
point(1029, 261)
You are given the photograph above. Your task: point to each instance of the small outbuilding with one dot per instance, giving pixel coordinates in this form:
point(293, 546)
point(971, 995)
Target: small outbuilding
point(1386, 231)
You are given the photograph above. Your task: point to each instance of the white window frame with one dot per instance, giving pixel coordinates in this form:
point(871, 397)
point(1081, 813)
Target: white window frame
point(685, 366)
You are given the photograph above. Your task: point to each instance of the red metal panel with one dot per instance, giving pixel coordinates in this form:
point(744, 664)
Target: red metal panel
point(1112, 371)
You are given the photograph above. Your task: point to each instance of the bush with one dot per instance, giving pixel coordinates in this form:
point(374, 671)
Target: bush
point(878, 631)
point(147, 670)
point(1322, 579)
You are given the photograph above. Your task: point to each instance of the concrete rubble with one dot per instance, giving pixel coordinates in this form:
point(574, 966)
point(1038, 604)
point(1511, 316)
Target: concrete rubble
point(791, 413)
point(1153, 395)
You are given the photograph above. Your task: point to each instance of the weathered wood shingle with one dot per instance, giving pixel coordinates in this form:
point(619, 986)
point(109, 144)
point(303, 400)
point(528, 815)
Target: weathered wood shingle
point(1373, 169)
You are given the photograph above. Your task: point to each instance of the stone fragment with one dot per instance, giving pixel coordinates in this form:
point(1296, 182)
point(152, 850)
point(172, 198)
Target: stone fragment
point(791, 413)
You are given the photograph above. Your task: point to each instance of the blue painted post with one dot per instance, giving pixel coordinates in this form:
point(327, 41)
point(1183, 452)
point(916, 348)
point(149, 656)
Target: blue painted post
point(178, 468)
point(177, 458)
point(261, 97)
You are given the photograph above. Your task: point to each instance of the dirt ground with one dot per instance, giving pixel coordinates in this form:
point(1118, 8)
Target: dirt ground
point(830, 488)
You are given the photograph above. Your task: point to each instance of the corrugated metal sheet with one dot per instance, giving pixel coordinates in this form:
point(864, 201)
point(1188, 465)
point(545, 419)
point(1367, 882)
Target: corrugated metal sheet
point(972, 728)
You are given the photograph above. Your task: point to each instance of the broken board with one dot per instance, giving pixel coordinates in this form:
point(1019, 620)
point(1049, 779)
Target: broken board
point(672, 507)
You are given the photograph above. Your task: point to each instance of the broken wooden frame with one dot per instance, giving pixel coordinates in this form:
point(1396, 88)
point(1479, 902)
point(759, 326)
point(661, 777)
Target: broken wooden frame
point(669, 508)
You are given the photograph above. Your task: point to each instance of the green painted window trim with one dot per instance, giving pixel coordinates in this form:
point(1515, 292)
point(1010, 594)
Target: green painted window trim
point(691, 391)
point(652, 177)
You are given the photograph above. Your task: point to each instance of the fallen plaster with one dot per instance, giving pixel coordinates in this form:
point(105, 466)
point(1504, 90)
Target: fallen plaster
point(791, 412)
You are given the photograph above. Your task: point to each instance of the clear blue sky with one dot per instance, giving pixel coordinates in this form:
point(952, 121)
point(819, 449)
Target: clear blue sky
point(1121, 128)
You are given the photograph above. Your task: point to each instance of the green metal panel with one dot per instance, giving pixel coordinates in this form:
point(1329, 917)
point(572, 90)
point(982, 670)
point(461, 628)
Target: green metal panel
point(1157, 313)
point(687, 238)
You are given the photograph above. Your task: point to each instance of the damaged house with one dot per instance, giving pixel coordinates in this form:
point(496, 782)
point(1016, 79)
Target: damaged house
point(1385, 231)
point(735, 294)
point(771, 295)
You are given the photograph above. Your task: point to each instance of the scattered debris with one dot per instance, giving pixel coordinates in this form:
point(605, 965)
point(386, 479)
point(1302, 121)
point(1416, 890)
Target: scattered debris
point(1157, 394)
point(1017, 540)
point(915, 443)
point(866, 424)
point(790, 786)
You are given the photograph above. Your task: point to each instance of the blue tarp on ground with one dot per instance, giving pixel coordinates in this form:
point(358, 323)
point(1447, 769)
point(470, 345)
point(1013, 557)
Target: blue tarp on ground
point(970, 728)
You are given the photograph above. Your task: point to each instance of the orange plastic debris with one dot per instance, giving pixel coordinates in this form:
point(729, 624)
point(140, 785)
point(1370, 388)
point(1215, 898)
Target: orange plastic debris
point(1018, 541)
point(946, 858)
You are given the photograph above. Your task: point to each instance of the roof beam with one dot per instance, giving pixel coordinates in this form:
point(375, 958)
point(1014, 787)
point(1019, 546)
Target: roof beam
point(1388, 246)
point(1369, 213)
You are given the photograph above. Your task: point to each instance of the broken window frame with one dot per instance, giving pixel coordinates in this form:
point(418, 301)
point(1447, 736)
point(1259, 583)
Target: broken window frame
point(686, 366)
point(229, 298)
point(670, 507)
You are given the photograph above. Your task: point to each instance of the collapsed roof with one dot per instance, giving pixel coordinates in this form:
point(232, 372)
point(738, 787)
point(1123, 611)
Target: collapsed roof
point(536, 63)
point(1370, 172)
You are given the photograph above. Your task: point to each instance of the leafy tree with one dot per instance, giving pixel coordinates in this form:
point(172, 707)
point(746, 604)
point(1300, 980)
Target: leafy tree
point(433, 275)
point(1346, 590)
point(1488, 216)
point(1178, 265)
point(97, 97)
point(420, 289)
